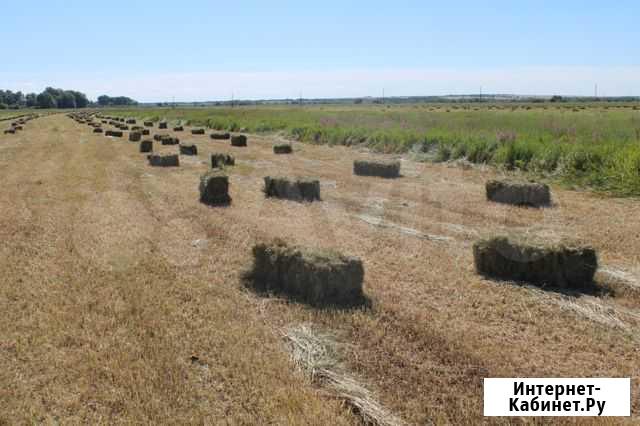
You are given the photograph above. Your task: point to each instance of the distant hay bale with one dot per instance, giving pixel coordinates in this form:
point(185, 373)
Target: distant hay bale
point(214, 188)
point(135, 136)
point(18, 127)
point(221, 160)
point(387, 169)
point(146, 146)
point(114, 133)
point(104, 121)
point(137, 128)
point(564, 264)
point(131, 121)
point(158, 137)
point(518, 193)
point(148, 124)
point(162, 125)
point(178, 129)
point(319, 277)
point(282, 149)
point(123, 127)
point(97, 130)
point(9, 132)
point(299, 189)
point(239, 140)
point(168, 140)
point(222, 136)
point(166, 160)
point(188, 149)
point(145, 132)
point(197, 131)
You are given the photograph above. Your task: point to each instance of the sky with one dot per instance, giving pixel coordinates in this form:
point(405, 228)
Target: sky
point(157, 51)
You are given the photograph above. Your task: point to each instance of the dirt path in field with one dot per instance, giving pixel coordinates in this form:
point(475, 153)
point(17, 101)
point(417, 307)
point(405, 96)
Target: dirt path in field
point(123, 301)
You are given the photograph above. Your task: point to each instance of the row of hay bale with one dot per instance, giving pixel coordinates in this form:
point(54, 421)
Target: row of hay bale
point(326, 277)
point(19, 122)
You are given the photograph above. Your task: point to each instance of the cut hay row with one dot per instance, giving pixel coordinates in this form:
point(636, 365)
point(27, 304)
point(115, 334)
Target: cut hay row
point(317, 355)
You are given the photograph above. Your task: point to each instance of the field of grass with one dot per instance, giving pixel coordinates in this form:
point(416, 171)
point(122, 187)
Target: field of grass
point(586, 145)
point(124, 302)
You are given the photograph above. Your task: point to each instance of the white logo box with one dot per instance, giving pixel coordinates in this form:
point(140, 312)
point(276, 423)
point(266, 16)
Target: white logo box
point(557, 397)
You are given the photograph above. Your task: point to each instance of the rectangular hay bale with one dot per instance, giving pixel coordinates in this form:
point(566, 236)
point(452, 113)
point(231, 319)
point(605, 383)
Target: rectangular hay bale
point(388, 169)
point(564, 264)
point(318, 277)
point(297, 189)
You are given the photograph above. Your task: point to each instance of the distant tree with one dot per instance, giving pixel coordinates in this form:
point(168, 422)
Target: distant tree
point(31, 100)
point(556, 98)
point(81, 99)
point(103, 100)
point(67, 100)
point(3, 105)
point(46, 100)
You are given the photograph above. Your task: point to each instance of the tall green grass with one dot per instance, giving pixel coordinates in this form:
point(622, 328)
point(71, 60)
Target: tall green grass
point(596, 146)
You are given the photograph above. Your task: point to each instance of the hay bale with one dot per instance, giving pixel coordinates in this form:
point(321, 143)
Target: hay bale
point(197, 131)
point(220, 136)
point(18, 128)
point(131, 121)
point(97, 130)
point(9, 132)
point(114, 133)
point(135, 136)
point(123, 127)
point(221, 160)
point(563, 264)
point(145, 132)
point(146, 146)
point(137, 128)
point(214, 188)
point(239, 140)
point(299, 189)
point(188, 149)
point(168, 140)
point(318, 277)
point(388, 169)
point(159, 136)
point(178, 129)
point(282, 149)
point(162, 125)
point(148, 124)
point(156, 160)
point(518, 193)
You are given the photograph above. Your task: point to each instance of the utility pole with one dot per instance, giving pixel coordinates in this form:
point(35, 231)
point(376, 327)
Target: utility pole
point(480, 93)
point(383, 96)
point(232, 100)
point(596, 90)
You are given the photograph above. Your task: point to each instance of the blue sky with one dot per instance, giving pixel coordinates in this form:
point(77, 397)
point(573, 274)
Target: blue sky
point(202, 50)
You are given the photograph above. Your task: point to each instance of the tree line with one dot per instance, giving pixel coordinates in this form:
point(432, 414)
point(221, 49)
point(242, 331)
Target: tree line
point(56, 98)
